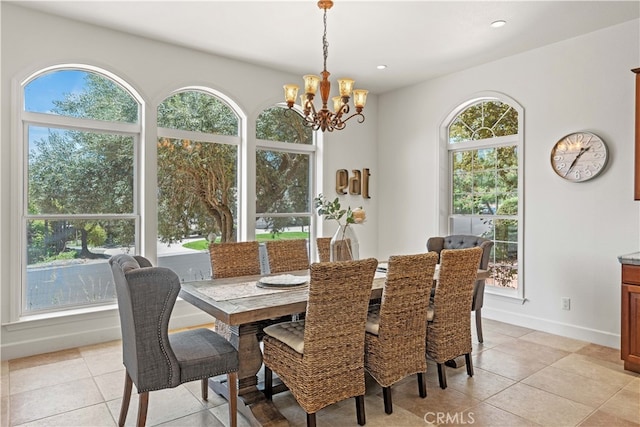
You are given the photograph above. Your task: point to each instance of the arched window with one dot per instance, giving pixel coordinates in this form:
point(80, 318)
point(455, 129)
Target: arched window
point(81, 134)
point(484, 144)
point(198, 146)
point(285, 159)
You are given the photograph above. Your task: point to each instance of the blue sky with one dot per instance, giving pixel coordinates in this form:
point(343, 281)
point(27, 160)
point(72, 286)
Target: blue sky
point(39, 93)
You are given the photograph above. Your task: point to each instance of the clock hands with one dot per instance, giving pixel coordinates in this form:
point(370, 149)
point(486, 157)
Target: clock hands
point(582, 151)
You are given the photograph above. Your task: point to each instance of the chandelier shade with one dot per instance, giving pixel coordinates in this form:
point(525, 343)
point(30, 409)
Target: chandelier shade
point(323, 118)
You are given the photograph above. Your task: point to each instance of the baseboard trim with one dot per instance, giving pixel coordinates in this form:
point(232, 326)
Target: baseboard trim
point(568, 330)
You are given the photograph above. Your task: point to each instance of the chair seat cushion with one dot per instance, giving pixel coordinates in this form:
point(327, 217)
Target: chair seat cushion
point(373, 320)
point(290, 333)
point(202, 353)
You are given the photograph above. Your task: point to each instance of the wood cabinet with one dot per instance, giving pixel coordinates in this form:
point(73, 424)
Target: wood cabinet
point(630, 330)
point(636, 191)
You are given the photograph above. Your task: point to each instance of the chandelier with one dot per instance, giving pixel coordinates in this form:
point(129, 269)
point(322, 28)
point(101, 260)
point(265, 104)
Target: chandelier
point(325, 119)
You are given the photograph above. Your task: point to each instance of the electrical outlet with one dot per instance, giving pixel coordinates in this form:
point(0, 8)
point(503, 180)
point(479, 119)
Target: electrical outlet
point(566, 303)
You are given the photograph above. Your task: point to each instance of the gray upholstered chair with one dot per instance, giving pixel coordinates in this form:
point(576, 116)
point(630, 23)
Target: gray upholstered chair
point(153, 358)
point(462, 241)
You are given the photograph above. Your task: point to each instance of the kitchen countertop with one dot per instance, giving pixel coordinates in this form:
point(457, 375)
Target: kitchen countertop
point(632, 258)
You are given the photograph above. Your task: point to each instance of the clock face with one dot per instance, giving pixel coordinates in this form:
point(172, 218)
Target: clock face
point(579, 156)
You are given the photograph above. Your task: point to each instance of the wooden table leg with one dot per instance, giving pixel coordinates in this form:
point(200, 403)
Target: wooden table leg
point(252, 402)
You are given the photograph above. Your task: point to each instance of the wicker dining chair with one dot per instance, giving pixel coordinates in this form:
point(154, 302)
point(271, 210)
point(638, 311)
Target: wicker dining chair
point(321, 359)
point(449, 318)
point(233, 259)
point(324, 248)
point(153, 358)
point(287, 255)
point(396, 329)
point(462, 241)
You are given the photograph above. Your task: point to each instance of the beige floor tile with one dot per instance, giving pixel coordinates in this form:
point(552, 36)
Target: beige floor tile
point(540, 406)
point(489, 326)
point(593, 368)
point(530, 350)
point(587, 387)
point(111, 385)
point(93, 416)
point(555, 341)
point(289, 408)
point(625, 404)
point(5, 415)
point(105, 361)
point(405, 395)
point(344, 414)
point(506, 364)
point(32, 378)
point(482, 385)
point(214, 399)
point(601, 352)
point(634, 386)
point(4, 378)
point(576, 387)
point(53, 400)
point(164, 405)
point(44, 359)
point(603, 419)
point(491, 340)
point(483, 415)
point(199, 419)
point(221, 414)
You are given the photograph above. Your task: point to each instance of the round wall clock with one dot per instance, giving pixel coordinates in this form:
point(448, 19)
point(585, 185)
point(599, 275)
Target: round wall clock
point(579, 156)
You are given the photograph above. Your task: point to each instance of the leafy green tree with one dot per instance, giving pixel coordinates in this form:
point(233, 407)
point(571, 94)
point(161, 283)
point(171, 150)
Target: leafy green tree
point(282, 178)
point(76, 172)
point(197, 181)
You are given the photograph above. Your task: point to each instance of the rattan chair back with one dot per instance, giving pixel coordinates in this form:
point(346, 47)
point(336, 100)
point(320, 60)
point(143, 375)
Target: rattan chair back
point(324, 248)
point(233, 259)
point(287, 255)
point(398, 350)
point(331, 367)
point(449, 334)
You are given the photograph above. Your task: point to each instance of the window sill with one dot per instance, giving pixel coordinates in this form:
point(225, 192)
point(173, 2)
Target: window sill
point(61, 317)
point(506, 296)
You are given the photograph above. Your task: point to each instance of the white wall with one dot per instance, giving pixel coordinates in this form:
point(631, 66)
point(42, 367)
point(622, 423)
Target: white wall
point(32, 40)
point(573, 232)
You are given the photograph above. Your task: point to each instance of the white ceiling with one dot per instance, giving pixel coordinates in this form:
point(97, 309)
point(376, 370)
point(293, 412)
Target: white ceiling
point(417, 40)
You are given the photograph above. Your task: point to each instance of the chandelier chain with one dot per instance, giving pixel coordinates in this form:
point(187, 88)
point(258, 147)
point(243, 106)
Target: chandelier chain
point(325, 43)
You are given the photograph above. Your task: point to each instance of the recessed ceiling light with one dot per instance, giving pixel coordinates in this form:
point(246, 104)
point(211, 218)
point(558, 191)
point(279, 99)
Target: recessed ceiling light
point(381, 67)
point(498, 24)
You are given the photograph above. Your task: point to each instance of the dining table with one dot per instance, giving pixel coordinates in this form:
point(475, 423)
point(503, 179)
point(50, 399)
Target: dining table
point(247, 306)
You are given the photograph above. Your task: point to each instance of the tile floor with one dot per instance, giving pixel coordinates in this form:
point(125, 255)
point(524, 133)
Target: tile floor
point(522, 378)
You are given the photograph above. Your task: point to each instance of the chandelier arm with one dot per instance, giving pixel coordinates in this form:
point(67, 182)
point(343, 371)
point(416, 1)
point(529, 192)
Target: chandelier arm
point(360, 119)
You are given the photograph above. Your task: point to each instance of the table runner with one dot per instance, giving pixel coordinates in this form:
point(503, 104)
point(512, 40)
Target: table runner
point(238, 290)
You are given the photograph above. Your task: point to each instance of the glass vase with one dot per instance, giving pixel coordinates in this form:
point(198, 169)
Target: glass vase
point(344, 244)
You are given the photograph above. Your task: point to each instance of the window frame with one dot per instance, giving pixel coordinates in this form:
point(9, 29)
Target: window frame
point(445, 177)
point(312, 150)
point(22, 119)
